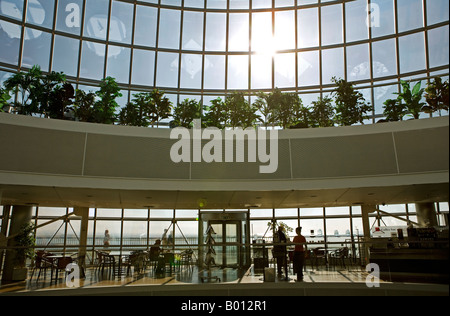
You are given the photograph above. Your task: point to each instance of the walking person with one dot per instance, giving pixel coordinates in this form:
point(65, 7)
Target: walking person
point(280, 252)
point(299, 253)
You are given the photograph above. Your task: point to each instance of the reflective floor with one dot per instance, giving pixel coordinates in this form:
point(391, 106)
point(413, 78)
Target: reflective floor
point(193, 275)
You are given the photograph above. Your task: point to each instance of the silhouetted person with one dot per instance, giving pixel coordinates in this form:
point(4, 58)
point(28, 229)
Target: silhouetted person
point(299, 253)
point(279, 252)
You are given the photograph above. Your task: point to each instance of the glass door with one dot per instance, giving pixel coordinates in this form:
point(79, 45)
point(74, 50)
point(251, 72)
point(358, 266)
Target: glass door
point(227, 242)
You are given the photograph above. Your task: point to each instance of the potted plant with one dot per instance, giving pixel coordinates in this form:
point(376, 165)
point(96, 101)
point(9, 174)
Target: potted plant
point(351, 107)
point(394, 110)
point(437, 96)
point(412, 98)
point(24, 244)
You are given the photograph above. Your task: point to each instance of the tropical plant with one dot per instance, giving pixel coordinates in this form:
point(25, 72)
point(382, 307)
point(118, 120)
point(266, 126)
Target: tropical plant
point(394, 110)
point(216, 114)
point(83, 107)
point(351, 107)
point(412, 98)
point(24, 245)
point(4, 98)
point(60, 101)
point(265, 105)
point(185, 113)
point(303, 117)
point(437, 95)
point(240, 112)
point(131, 115)
point(105, 107)
point(24, 84)
point(322, 112)
point(160, 109)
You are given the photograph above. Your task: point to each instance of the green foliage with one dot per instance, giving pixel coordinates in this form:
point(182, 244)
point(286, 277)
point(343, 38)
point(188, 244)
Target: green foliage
point(437, 95)
point(412, 98)
point(24, 243)
point(159, 108)
point(240, 112)
point(351, 107)
point(394, 110)
point(185, 113)
point(105, 107)
point(4, 98)
point(216, 114)
point(322, 112)
point(84, 106)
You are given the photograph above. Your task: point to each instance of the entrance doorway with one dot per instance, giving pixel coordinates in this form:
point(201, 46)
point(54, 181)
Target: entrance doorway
point(231, 238)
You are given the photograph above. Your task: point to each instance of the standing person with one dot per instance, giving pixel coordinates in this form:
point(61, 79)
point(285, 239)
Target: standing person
point(106, 239)
point(299, 253)
point(279, 252)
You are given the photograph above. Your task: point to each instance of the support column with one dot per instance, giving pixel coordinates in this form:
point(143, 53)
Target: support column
point(20, 215)
point(82, 250)
point(4, 232)
point(426, 214)
point(366, 210)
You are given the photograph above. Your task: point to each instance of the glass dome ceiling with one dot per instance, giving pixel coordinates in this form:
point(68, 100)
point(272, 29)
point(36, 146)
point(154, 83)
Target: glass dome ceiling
point(202, 49)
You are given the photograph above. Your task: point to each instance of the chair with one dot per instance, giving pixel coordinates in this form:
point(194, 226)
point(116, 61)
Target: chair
point(61, 264)
point(340, 256)
point(186, 260)
point(104, 260)
point(318, 255)
point(41, 263)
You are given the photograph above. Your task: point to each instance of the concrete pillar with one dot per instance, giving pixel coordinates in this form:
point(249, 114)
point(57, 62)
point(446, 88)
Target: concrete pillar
point(20, 215)
point(84, 213)
point(426, 214)
point(366, 210)
point(4, 232)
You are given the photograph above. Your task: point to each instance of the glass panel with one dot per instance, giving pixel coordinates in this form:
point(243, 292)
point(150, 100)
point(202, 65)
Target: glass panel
point(215, 31)
point(308, 27)
point(193, 31)
point(36, 49)
point(331, 17)
point(41, 13)
point(308, 68)
point(261, 72)
point(438, 45)
point(358, 64)
point(145, 26)
point(191, 71)
point(118, 63)
point(285, 70)
point(65, 55)
point(143, 67)
point(356, 20)
point(284, 30)
point(10, 35)
point(169, 29)
point(383, 20)
point(333, 64)
point(96, 19)
point(12, 9)
point(238, 72)
point(437, 11)
point(167, 71)
point(410, 14)
point(384, 58)
point(412, 52)
point(121, 23)
point(69, 16)
point(92, 60)
point(214, 72)
point(239, 32)
point(262, 34)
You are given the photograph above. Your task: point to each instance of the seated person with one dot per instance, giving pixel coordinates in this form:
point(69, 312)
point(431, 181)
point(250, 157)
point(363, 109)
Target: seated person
point(155, 250)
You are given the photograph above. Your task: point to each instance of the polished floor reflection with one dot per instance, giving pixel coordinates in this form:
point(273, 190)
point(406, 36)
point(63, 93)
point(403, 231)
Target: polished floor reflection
point(188, 275)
